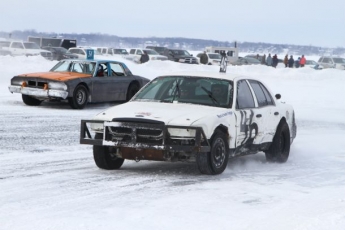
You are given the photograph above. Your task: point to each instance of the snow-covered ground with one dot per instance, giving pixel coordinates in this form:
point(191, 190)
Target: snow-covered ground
point(49, 181)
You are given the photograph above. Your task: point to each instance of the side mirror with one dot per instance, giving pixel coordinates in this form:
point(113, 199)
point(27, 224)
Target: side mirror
point(278, 96)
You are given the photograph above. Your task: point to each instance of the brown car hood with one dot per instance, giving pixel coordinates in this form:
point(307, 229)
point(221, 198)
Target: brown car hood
point(57, 76)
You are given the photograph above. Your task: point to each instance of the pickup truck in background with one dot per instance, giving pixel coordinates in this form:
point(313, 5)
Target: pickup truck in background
point(135, 55)
point(108, 51)
point(18, 48)
point(177, 55)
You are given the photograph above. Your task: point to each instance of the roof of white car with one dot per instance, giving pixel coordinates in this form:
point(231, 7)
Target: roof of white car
point(218, 75)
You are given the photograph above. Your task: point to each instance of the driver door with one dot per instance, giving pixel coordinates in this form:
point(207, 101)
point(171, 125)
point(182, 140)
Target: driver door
point(113, 86)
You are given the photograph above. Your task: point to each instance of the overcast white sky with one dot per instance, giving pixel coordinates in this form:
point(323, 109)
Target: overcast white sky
point(299, 22)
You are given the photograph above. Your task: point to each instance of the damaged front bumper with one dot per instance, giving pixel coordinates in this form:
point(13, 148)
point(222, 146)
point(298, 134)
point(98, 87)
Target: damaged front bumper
point(143, 140)
point(39, 93)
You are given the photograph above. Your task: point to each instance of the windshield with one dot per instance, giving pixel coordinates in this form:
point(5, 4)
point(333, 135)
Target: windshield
point(75, 66)
point(339, 60)
point(215, 56)
point(180, 52)
point(186, 89)
point(151, 52)
point(120, 51)
point(31, 45)
point(61, 49)
point(252, 60)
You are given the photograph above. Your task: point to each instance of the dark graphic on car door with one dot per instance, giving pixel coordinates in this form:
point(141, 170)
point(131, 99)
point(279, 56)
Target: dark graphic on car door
point(247, 117)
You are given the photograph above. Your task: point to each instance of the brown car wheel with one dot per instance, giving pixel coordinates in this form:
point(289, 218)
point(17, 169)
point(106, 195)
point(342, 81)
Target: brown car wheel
point(28, 100)
point(80, 97)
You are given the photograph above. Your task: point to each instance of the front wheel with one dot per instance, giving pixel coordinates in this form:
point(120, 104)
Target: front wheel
point(28, 100)
point(215, 161)
point(104, 158)
point(280, 147)
point(80, 97)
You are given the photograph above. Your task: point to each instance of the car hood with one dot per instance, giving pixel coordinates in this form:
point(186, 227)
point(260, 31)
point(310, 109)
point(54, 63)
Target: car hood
point(57, 76)
point(169, 113)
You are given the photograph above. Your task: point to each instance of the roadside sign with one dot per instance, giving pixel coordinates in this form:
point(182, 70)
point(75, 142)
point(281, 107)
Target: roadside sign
point(90, 54)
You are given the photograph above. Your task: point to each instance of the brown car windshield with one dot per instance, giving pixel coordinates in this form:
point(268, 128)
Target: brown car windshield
point(86, 67)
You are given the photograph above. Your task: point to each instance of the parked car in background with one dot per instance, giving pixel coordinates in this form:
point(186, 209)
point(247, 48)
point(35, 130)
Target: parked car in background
point(255, 56)
point(4, 52)
point(79, 81)
point(332, 62)
point(246, 61)
point(213, 58)
point(19, 48)
point(81, 52)
point(181, 55)
point(311, 63)
point(159, 49)
point(108, 51)
point(120, 51)
point(177, 55)
point(135, 55)
point(200, 117)
point(60, 53)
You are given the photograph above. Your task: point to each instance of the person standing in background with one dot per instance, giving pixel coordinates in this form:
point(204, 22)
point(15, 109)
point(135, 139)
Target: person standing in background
point(204, 58)
point(269, 60)
point(275, 61)
point(291, 61)
point(302, 61)
point(263, 60)
point(144, 57)
point(297, 62)
point(286, 61)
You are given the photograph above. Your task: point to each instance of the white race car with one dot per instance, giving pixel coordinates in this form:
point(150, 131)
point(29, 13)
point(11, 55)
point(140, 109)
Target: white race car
point(201, 117)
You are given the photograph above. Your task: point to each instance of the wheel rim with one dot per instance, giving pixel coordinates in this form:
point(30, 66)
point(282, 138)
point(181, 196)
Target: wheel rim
point(81, 97)
point(218, 153)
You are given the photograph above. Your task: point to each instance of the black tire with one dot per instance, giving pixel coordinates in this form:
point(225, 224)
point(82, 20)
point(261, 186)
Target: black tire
point(80, 97)
point(28, 100)
point(132, 90)
point(280, 147)
point(214, 162)
point(103, 158)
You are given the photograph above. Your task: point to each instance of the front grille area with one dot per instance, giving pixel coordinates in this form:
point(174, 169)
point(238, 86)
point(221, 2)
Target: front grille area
point(36, 84)
point(190, 61)
point(161, 58)
point(46, 54)
point(140, 138)
point(136, 132)
point(152, 134)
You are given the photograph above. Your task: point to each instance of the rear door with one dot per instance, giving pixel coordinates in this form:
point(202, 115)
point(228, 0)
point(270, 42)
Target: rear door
point(248, 116)
point(269, 115)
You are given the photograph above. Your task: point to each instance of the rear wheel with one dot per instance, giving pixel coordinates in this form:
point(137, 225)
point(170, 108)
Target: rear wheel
point(132, 90)
point(28, 100)
point(80, 97)
point(280, 147)
point(104, 158)
point(215, 161)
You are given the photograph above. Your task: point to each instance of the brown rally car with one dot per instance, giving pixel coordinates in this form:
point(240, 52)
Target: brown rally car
point(79, 82)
